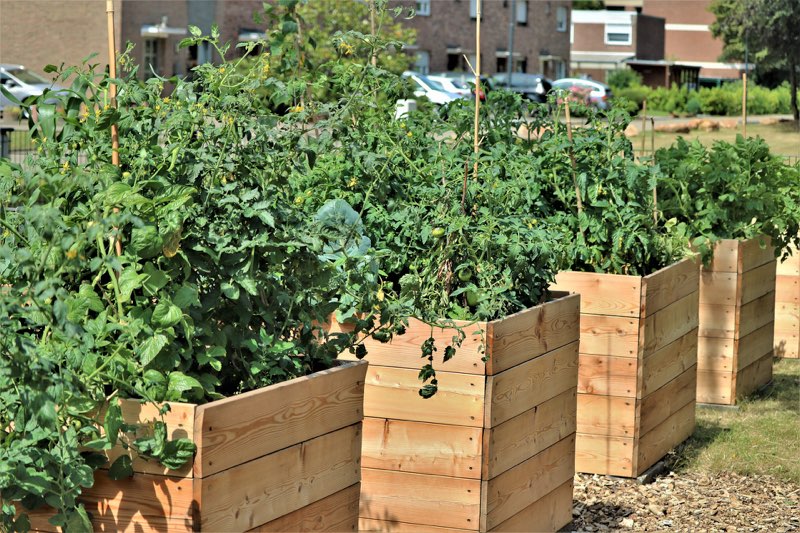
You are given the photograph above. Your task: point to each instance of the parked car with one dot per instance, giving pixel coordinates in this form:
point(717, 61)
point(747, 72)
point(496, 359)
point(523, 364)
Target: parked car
point(599, 94)
point(21, 83)
point(534, 87)
point(460, 83)
point(430, 89)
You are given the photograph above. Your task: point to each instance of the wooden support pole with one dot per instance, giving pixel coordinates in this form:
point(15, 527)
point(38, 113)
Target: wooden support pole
point(644, 125)
point(578, 202)
point(476, 140)
point(744, 105)
point(112, 72)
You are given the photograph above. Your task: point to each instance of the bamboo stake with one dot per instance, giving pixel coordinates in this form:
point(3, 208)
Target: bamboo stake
point(112, 72)
point(744, 105)
point(653, 154)
point(572, 161)
point(374, 58)
point(476, 140)
point(644, 125)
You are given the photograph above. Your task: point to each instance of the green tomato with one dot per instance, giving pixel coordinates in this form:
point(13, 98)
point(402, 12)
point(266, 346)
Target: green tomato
point(126, 175)
point(437, 232)
point(473, 296)
point(465, 274)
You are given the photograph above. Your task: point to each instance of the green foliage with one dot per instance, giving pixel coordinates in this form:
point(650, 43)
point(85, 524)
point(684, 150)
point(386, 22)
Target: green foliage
point(632, 98)
point(624, 78)
point(730, 191)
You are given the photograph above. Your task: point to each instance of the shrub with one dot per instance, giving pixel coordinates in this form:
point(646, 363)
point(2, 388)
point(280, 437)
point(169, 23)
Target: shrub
point(633, 97)
point(624, 78)
point(694, 106)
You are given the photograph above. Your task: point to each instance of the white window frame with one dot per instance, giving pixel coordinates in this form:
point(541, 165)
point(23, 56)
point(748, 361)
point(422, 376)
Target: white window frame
point(619, 29)
point(150, 57)
point(422, 62)
point(424, 8)
point(561, 18)
point(522, 11)
point(473, 9)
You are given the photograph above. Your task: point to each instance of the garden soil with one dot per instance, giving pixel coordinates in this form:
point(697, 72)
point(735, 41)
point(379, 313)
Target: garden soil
point(687, 502)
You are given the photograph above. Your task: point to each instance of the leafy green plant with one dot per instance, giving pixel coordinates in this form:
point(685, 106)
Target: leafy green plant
point(730, 191)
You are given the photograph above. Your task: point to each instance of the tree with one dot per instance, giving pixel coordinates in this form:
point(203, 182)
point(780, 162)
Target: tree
point(767, 28)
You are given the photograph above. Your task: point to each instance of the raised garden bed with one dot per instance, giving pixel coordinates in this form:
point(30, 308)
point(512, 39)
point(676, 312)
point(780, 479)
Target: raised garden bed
point(493, 450)
point(787, 307)
point(638, 366)
point(737, 315)
point(281, 458)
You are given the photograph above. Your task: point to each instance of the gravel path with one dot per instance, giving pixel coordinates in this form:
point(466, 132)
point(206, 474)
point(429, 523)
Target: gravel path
point(685, 502)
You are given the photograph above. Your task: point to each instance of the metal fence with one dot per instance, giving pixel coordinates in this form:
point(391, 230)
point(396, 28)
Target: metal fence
point(15, 143)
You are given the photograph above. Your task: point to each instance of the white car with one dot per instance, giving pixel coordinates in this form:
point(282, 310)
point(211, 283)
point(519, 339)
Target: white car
point(452, 85)
point(22, 83)
point(430, 89)
point(599, 93)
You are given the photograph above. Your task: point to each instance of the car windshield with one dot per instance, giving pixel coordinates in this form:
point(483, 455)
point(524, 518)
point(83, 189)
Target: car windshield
point(518, 79)
point(25, 76)
point(435, 85)
point(459, 84)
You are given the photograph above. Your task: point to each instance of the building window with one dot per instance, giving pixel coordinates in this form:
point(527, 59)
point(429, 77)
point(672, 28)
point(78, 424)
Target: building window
point(422, 62)
point(618, 34)
point(151, 52)
point(522, 12)
point(424, 7)
point(561, 18)
point(561, 69)
point(473, 9)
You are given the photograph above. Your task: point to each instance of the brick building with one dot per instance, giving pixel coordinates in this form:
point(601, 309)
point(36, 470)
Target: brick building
point(446, 33)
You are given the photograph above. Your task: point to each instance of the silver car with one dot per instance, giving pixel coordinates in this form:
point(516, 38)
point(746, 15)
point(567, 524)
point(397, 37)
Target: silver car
point(21, 83)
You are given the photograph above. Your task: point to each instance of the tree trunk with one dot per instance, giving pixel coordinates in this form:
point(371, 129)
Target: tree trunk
point(793, 82)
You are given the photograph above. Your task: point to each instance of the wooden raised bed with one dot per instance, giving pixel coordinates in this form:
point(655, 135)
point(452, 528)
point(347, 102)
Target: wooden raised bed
point(787, 307)
point(282, 458)
point(638, 366)
point(737, 314)
point(494, 449)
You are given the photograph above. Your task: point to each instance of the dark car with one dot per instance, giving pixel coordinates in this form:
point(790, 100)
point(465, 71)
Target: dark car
point(534, 87)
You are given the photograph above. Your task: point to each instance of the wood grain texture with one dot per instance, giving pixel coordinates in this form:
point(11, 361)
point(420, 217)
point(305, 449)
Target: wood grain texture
point(421, 447)
point(718, 321)
point(715, 387)
point(668, 363)
point(670, 323)
point(790, 266)
point(756, 314)
point(403, 351)
point(665, 437)
point(609, 335)
point(337, 512)
point(725, 256)
point(606, 415)
point(514, 490)
point(393, 526)
point(663, 403)
point(525, 386)
point(755, 346)
point(670, 284)
point(787, 289)
point(552, 512)
point(758, 282)
point(755, 252)
point(718, 288)
point(604, 454)
point(528, 334)
point(753, 377)
point(422, 499)
point(529, 433)
point(248, 426)
point(715, 354)
point(394, 393)
point(605, 375)
point(277, 484)
point(787, 330)
point(603, 294)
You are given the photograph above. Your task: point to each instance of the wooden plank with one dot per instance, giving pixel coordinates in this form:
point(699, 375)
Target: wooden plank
point(394, 393)
point(403, 351)
point(423, 448)
point(715, 354)
point(787, 330)
point(715, 387)
point(609, 335)
point(531, 333)
point(604, 454)
point(725, 256)
point(756, 252)
point(718, 288)
point(514, 391)
point(756, 314)
point(787, 289)
point(515, 489)
point(605, 375)
point(603, 294)
point(264, 489)
point(754, 376)
point(659, 441)
point(663, 403)
point(606, 415)
point(755, 346)
point(251, 425)
point(135, 523)
point(757, 282)
point(790, 266)
point(670, 323)
point(337, 512)
point(670, 284)
point(420, 499)
point(180, 424)
point(527, 434)
point(717, 321)
point(669, 362)
point(552, 512)
point(369, 524)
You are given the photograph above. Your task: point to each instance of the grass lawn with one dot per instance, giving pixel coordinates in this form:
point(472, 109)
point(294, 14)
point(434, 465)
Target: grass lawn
point(761, 437)
point(783, 138)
